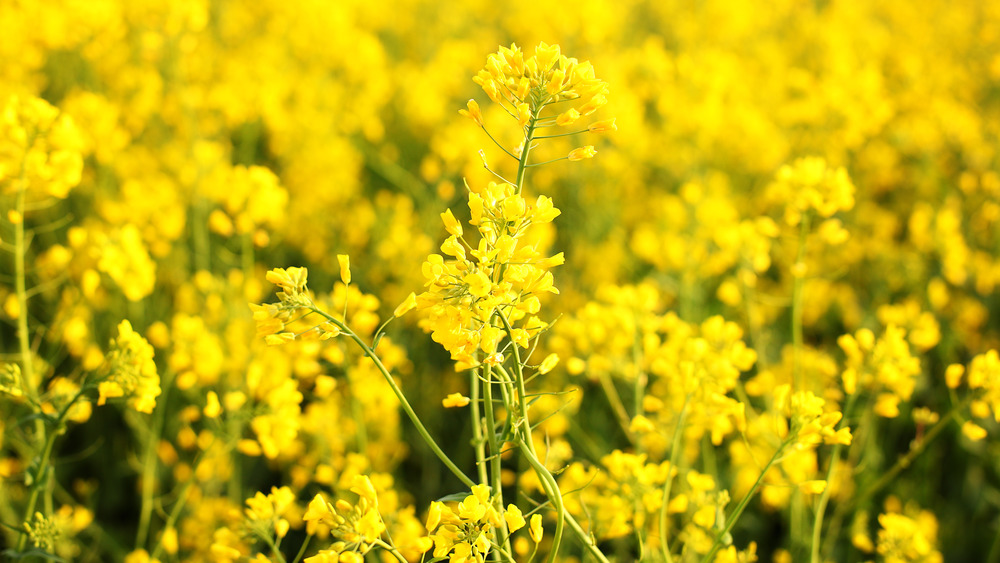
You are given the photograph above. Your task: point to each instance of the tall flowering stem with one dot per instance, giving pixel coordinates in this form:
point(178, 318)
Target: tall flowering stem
point(483, 294)
point(482, 306)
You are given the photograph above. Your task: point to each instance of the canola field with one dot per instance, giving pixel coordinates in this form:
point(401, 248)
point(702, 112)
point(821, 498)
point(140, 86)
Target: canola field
point(670, 281)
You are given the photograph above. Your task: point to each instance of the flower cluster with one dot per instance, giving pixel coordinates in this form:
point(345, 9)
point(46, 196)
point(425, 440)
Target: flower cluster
point(39, 148)
point(469, 530)
point(502, 274)
point(885, 365)
point(356, 526)
point(132, 371)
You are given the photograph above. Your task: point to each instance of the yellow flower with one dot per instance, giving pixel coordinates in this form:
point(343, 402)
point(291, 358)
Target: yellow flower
point(451, 224)
point(345, 267)
point(603, 126)
point(953, 375)
point(582, 153)
point(212, 406)
point(567, 117)
point(973, 431)
point(813, 487)
point(479, 284)
point(434, 515)
point(473, 112)
point(548, 363)
point(370, 526)
point(535, 528)
point(455, 400)
point(514, 518)
point(409, 303)
point(318, 509)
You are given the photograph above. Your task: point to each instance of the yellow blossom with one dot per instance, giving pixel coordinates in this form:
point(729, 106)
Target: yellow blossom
point(455, 400)
point(345, 268)
point(582, 153)
point(473, 112)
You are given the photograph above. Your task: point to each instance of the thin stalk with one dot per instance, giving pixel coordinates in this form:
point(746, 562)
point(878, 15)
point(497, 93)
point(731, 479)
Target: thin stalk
point(20, 286)
point(491, 436)
point(551, 488)
point(675, 454)
point(824, 498)
point(149, 469)
point(302, 550)
point(797, 308)
point(561, 134)
point(522, 162)
point(498, 144)
point(23, 336)
point(549, 161)
point(641, 378)
point(617, 406)
point(421, 429)
point(477, 428)
point(905, 461)
point(175, 512)
point(41, 474)
point(548, 482)
point(732, 518)
point(395, 552)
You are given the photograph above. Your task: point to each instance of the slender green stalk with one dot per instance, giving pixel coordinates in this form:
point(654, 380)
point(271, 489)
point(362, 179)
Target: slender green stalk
point(496, 485)
point(824, 498)
point(266, 536)
point(477, 428)
point(42, 472)
point(302, 550)
point(615, 400)
point(641, 378)
point(903, 462)
point(392, 550)
point(175, 512)
point(149, 470)
point(675, 454)
point(421, 429)
point(551, 490)
point(527, 447)
point(797, 303)
point(522, 162)
point(744, 502)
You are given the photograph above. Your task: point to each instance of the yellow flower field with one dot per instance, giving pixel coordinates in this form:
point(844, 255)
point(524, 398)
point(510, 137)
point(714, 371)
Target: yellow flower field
point(681, 282)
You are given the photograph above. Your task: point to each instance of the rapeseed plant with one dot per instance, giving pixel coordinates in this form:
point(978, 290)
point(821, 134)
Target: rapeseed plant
point(742, 333)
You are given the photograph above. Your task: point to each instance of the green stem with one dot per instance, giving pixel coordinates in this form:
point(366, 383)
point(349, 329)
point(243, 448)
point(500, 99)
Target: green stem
point(551, 490)
point(175, 512)
point(797, 307)
point(395, 552)
point(744, 502)
point(527, 448)
point(20, 284)
point(903, 462)
point(522, 162)
point(421, 429)
point(302, 550)
point(491, 436)
point(149, 470)
point(477, 428)
point(675, 454)
point(41, 475)
point(617, 406)
point(266, 536)
point(824, 498)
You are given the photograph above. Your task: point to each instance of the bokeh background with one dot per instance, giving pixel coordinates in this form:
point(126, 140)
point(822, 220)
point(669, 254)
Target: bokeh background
point(221, 139)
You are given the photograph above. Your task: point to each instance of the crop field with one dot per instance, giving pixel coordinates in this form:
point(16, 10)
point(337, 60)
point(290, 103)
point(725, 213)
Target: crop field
point(355, 281)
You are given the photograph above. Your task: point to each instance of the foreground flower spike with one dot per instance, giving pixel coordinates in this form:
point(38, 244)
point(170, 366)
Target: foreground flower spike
point(473, 282)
